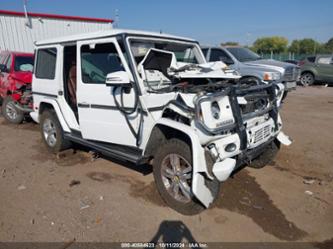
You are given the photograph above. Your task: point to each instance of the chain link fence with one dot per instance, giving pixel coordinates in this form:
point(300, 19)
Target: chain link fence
point(284, 56)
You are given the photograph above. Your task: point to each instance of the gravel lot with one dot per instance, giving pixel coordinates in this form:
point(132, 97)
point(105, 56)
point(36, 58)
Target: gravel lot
point(74, 196)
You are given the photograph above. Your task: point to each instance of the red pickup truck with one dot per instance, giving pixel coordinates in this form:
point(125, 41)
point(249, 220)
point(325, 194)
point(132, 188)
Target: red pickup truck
point(15, 85)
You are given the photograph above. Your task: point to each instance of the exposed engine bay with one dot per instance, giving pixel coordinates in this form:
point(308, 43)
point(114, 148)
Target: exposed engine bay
point(162, 73)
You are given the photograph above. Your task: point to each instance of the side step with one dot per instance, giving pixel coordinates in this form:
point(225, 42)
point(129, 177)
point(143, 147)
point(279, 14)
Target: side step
point(120, 152)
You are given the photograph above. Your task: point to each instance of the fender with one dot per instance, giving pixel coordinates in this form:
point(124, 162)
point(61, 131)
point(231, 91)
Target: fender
point(199, 189)
point(56, 108)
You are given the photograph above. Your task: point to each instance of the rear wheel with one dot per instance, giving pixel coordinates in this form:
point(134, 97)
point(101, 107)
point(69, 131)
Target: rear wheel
point(173, 171)
point(307, 79)
point(52, 133)
point(10, 112)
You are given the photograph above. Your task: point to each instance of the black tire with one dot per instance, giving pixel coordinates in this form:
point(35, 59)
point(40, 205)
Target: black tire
point(59, 143)
point(266, 157)
point(10, 112)
point(307, 79)
point(181, 148)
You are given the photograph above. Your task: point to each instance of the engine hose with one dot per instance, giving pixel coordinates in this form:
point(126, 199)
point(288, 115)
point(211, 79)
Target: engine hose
point(126, 113)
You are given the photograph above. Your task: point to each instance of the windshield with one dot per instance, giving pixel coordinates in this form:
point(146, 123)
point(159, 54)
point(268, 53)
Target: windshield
point(243, 54)
point(23, 64)
point(158, 78)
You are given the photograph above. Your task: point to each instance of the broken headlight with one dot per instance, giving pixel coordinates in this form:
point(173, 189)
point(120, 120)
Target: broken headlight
point(215, 109)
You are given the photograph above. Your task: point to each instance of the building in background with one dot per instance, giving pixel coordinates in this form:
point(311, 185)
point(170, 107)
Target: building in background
point(19, 30)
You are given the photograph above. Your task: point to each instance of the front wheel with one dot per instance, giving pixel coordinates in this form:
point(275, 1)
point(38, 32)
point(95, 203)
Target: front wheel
point(10, 112)
point(52, 133)
point(172, 167)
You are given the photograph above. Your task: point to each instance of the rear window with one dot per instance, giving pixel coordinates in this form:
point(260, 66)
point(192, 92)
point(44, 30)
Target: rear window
point(46, 63)
point(324, 60)
point(23, 64)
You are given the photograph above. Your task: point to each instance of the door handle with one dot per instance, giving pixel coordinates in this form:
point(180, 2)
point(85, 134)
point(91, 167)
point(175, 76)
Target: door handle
point(83, 105)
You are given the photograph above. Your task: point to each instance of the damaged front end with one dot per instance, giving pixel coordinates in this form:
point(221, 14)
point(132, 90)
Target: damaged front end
point(22, 97)
point(231, 123)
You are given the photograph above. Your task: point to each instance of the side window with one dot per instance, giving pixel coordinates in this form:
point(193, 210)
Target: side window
point(46, 63)
point(98, 61)
point(220, 55)
point(312, 59)
point(324, 60)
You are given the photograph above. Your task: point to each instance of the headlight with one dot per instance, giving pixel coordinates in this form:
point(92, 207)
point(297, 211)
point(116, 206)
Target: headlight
point(270, 76)
point(215, 109)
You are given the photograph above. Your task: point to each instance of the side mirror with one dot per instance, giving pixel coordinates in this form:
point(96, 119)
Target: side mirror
point(3, 68)
point(119, 78)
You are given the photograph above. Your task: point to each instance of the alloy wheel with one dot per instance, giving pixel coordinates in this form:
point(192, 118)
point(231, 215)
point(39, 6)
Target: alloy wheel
point(50, 132)
point(11, 111)
point(177, 177)
point(307, 79)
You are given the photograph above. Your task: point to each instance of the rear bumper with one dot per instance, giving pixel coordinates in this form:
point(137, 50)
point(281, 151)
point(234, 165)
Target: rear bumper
point(34, 116)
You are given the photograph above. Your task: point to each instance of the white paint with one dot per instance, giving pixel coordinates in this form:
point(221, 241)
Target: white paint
point(223, 169)
point(284, 139)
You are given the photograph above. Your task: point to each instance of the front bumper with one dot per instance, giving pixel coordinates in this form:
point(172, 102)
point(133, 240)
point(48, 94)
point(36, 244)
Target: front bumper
point(229, 153)
point(245, 140)
point(290, 85)
point(224, 168)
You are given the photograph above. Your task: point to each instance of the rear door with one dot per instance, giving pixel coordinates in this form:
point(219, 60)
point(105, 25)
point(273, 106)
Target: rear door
point(99, 117)
point(325, 68)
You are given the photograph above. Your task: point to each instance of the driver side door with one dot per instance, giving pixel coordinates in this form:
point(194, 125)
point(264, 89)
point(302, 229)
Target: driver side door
point(99, 117)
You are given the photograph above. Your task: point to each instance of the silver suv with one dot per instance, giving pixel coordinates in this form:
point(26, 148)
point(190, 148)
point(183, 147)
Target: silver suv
point(252, 67)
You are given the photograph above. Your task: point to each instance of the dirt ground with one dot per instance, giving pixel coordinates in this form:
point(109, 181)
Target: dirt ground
point(75, 196)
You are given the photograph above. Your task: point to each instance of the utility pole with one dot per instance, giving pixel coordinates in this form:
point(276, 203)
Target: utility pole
point(27, 20)
point(248, 34)
point(116, 23)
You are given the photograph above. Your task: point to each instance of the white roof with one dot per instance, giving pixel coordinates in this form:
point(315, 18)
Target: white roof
point(106, 33)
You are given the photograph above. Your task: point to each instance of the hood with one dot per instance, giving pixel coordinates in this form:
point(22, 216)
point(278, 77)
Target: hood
point(25, 77)
point(212, 70)
point(166, 62)
point(270, 64)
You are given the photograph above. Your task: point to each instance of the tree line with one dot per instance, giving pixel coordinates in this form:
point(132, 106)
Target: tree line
point(279, 44)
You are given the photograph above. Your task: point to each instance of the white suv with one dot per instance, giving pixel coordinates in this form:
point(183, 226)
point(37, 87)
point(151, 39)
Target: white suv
point(149, 97)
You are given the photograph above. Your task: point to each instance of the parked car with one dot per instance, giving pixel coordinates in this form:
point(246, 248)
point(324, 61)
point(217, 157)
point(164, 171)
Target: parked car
point(15, 85)
point(150, 97)
point(317, 68)
point(252, 67)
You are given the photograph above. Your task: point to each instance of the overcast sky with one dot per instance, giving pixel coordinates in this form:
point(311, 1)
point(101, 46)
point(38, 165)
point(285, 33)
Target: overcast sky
point(210, 21)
